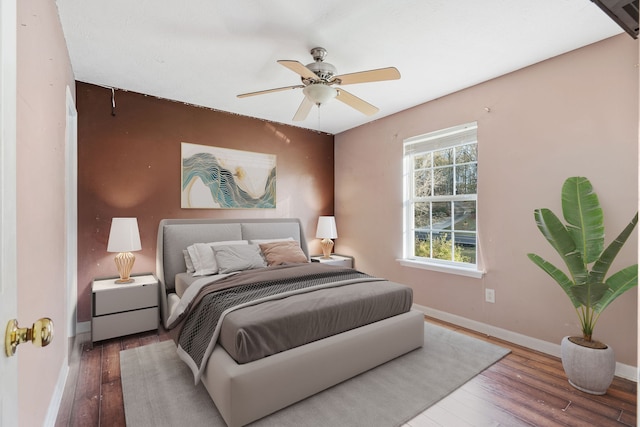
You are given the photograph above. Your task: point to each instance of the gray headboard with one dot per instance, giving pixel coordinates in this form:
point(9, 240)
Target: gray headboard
point(175, 235)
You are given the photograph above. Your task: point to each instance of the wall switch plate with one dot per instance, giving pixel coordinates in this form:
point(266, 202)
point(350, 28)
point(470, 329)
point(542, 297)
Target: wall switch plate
point(490, 295)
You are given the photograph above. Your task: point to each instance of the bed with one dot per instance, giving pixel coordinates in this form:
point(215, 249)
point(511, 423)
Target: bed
point(245, 390)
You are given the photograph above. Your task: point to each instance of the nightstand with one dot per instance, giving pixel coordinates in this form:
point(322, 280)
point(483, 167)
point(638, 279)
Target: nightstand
point(338, 260)
point(123, 309)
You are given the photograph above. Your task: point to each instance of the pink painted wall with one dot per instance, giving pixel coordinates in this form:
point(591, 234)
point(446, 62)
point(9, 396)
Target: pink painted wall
point(576, 114)
point(43, 73)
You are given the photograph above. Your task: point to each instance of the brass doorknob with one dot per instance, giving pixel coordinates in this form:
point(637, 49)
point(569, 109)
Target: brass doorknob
point(40, 334)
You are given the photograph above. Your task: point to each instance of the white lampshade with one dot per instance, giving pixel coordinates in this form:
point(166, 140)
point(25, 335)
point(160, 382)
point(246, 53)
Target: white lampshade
point(326, 228)
point(320, 93)
point(124, 235)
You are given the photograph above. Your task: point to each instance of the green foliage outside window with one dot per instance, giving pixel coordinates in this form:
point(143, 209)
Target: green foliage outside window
point(441, 250)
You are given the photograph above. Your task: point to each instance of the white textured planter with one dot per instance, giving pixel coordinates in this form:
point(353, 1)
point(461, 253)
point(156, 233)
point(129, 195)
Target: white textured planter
point(589, 370)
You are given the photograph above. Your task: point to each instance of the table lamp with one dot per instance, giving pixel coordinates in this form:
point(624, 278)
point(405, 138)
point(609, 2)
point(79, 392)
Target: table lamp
point(326, 231)
point(124, 238)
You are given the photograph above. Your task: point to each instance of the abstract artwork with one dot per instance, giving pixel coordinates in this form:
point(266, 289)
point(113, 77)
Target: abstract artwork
point(222, 178)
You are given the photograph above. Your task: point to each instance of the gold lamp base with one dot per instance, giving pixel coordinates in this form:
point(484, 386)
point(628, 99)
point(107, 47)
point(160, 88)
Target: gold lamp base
point(327, 246)
point(124, 262)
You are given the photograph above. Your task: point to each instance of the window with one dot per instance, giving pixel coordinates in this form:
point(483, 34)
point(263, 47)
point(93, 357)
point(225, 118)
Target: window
point(441, 181)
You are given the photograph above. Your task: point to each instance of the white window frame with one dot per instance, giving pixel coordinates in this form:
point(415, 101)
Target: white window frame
point(435, 141)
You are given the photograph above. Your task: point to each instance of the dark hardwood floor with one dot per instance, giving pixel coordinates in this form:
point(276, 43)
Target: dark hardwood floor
point(526, 388)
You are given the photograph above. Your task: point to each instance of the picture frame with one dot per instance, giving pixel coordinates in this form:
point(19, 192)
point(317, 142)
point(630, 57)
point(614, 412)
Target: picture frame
point(224, 178)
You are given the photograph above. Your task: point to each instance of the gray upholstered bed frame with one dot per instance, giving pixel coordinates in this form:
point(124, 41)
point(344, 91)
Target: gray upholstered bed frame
point(247, 392)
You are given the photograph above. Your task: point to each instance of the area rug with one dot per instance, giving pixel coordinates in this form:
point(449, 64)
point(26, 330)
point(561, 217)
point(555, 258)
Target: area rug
point(158, 388)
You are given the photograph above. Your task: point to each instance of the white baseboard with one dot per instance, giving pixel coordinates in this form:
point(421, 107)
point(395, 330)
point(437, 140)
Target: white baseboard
point(623, 371)
point(58, 392)
point(82, 327)
point(69, 369)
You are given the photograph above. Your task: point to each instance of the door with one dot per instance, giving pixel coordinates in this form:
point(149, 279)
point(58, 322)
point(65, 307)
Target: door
point(8, 246)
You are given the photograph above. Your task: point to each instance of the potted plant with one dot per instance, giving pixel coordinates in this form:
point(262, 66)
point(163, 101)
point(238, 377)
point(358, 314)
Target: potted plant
point(589, 364)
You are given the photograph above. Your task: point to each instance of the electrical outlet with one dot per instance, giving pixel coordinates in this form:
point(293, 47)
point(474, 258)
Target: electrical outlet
point(490, 295)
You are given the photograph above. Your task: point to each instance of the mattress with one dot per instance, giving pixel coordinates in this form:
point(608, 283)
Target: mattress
point(252, 333)
point(183, 281)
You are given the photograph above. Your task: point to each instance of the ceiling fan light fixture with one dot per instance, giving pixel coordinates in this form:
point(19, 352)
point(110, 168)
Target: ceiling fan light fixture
point(318, 78)
point(319, 93)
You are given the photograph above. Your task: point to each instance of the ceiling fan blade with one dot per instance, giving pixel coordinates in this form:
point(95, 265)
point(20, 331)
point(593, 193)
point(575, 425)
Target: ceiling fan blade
point(303, 110)
point(298, 68)
point(381, 74)
point(262, 92)
point(357, 103)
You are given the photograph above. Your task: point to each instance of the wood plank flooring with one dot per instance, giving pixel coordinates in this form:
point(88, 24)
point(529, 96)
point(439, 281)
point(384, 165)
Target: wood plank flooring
point(526, 388)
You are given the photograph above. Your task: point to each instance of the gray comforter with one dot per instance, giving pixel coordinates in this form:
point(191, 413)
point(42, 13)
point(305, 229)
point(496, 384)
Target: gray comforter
point(271, 327)
point(197, 322)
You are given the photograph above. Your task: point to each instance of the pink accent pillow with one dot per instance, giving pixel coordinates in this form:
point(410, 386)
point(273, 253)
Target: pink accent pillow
point(286, 252)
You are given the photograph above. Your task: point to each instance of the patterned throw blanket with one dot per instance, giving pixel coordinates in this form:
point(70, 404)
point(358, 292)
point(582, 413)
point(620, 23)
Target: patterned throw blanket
point(198, 326)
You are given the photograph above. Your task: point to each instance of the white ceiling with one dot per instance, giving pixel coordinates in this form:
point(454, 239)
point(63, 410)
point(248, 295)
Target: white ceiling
point(205, 52)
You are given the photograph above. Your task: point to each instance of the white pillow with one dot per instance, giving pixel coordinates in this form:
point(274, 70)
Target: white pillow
point(238, 258)
point(188, 262)
point(204, 261)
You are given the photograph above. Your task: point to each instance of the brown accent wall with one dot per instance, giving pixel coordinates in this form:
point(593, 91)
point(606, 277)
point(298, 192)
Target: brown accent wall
point(129, 165)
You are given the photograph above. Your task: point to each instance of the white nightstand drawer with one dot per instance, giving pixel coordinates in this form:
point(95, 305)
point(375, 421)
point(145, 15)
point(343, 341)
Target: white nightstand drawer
point(120, 324)
point(124, 298)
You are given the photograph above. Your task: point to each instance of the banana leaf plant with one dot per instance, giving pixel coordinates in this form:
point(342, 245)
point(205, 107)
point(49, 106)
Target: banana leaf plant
point(580, 244)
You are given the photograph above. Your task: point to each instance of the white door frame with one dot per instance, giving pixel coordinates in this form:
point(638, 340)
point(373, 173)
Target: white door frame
point(71, 213)
point(8, 221)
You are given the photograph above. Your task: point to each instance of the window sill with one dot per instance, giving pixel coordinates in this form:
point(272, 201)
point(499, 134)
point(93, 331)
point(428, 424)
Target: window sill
point(461, 271)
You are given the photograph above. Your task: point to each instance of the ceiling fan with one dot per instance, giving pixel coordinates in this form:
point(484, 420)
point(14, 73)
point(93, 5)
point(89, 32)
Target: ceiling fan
point(318, 79)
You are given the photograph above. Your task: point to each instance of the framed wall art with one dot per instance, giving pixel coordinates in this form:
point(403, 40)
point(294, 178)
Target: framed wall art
point(223, 178)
